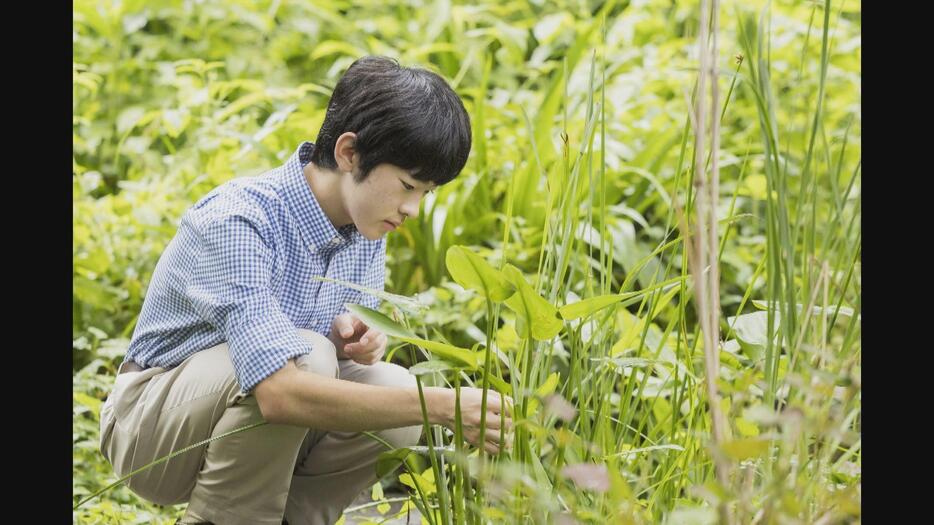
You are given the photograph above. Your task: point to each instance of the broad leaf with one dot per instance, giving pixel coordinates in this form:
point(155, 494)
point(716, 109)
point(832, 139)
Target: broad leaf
point(472, 272)
point(540, 317)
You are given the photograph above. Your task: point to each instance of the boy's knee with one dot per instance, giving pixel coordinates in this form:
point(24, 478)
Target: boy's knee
point(322, 359)
point(402, 437)
point(391, 374)
point(396, 376)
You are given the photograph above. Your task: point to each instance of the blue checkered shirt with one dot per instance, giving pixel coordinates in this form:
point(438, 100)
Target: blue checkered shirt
point(240, 270)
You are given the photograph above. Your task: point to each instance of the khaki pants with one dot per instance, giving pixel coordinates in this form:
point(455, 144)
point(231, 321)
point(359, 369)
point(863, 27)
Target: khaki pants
point(254, 477)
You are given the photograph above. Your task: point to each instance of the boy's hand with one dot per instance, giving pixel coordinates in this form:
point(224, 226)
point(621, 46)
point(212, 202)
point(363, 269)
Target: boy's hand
point(471, 411)
point(353, 339)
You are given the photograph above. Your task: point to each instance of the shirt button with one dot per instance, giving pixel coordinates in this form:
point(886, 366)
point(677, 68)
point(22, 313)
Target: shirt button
point(335, 241)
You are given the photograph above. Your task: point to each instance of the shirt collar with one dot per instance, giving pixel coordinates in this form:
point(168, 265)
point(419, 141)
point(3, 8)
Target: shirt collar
point(316, 229)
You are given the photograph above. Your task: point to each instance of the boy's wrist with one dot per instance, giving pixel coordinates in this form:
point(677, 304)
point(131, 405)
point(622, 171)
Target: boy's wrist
point(439, 403)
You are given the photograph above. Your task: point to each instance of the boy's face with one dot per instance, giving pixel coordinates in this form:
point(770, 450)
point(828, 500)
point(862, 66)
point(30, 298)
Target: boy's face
point(386, 198)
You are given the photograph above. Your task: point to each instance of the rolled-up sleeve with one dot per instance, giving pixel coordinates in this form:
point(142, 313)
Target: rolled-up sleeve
point(230, 289)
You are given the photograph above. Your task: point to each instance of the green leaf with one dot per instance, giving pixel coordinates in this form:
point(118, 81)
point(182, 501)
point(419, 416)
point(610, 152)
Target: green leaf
point(498, 384)
point(472, 272)
point(661, 408)
point(430, 367)
point(457, 354)
point(815, 310)
point(740, 449)
point(540, 316)
point(750, 330)
point(692, 516)
point(134, 22)
point(425, 486)
point(549, 386)
point(390, 460)
point(377, 320)
point(92, 403)
point(376, 492)
point(541, 475)
point(447, 452)
point(175, 121)
point(332, 47)
point(407, 304)
point(374, 319)
point(755, 186)
point(588, 306)
point(94, 293)
point(128, 118)
point(746, 428)
point(546, 388)
point(631, 332)
point(628, 451)
point(631, 362)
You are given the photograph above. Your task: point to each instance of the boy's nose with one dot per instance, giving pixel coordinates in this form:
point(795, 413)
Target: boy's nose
point(409, 207)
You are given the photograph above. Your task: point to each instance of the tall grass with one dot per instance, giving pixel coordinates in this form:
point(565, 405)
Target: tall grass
point(635, 453)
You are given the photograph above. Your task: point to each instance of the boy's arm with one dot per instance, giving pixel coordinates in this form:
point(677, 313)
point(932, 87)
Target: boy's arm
point(292, 396)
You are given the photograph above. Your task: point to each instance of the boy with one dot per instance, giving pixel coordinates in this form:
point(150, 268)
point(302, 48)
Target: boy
point(234, 330)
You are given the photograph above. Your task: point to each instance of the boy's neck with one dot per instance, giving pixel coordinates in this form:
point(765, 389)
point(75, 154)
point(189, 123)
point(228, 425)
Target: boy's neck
point(326, 186)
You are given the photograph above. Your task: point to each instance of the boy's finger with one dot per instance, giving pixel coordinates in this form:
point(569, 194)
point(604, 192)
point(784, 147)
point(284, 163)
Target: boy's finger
point(345, 326)
point(371, 336)
point(358, 325)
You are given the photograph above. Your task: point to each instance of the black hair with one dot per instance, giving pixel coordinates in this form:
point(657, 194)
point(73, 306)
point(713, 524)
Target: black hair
point(407, 117)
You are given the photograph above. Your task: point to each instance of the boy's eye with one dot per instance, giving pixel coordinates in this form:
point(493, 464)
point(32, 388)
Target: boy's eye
point(408, 186)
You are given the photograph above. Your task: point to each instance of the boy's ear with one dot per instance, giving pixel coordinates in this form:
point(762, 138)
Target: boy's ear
point(344, 152)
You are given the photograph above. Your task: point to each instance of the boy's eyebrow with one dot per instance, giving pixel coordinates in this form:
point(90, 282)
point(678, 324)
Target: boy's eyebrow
point(429, 184)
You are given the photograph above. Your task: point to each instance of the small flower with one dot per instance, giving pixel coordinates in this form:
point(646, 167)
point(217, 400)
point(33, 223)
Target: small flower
point(556, 405)
point(588, 476)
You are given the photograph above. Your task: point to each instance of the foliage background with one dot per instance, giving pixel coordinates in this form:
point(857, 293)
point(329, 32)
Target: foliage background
point(172, 98)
